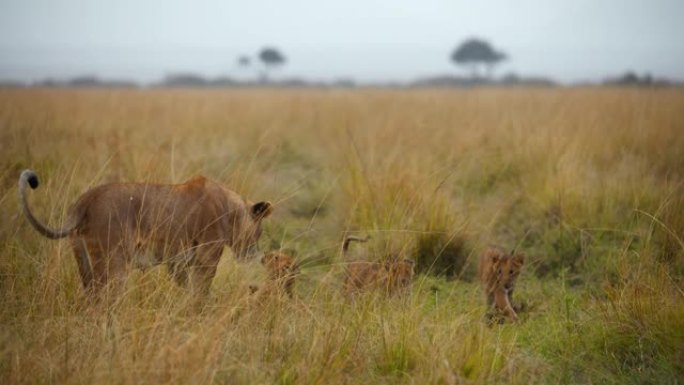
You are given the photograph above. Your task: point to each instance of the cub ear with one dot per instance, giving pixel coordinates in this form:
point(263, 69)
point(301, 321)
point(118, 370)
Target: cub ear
point(261, 210)
point(268, 257)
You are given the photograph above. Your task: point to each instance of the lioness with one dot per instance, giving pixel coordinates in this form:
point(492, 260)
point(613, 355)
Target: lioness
point(184, 225)
point(498, 272)
point(391, 275)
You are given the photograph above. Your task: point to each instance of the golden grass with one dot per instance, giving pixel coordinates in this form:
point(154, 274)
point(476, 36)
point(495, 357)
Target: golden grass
point(587, 182)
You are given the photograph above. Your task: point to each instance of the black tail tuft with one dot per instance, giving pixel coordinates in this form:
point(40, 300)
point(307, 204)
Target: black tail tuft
point(30, 178)
point(33, 181)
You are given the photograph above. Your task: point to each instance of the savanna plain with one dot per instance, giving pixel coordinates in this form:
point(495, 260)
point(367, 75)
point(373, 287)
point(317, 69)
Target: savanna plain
point(588, 183)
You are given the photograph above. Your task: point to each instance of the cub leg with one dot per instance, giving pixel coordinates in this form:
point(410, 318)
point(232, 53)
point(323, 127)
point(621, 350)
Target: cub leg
point(503, 304)
point(516, 307)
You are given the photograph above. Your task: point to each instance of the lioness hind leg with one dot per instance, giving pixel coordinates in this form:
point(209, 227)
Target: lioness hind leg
point(85, 267)
point(109, 269)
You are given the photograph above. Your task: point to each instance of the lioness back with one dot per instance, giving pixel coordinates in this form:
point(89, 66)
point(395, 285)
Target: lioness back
point(165, 218)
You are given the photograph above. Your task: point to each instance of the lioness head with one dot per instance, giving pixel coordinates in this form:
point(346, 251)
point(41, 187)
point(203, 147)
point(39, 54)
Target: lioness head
point(245, 241)
point(506, 269)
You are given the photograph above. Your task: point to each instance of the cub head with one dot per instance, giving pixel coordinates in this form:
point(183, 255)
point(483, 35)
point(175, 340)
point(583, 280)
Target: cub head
point(401, 272)
point(505, 269)
point(280, 266)
point(247, 236)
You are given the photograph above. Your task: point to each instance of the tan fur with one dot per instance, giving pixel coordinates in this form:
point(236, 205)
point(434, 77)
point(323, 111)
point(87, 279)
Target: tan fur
point(282, 272)
point(498, 272)
point(186, 226)
point(400, 274)
point(391, 275)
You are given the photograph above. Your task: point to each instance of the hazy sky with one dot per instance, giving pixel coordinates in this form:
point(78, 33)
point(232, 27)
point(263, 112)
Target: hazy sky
point(375, 40)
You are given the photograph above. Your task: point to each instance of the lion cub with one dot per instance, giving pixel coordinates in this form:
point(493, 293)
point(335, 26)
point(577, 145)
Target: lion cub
point(498, 271)
point(282, 271)
point(391, 275)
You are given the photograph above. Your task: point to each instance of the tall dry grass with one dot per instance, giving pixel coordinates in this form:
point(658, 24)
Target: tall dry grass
point(587, 182)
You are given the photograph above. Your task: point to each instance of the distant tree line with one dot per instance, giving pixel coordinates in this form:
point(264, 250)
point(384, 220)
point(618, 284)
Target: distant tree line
point(86, 81)
point(271, 58)
point(475, 54)
point(631, 78)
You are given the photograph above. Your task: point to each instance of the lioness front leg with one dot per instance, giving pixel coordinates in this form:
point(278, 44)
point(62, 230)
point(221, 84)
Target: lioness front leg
point(180, 264)
point(179, 273)
point(202, 271)
point(200, 279)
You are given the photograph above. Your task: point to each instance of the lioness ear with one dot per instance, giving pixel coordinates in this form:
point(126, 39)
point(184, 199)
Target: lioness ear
point(261, 210)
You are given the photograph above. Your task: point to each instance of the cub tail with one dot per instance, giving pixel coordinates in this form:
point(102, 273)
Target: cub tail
point(350, 239)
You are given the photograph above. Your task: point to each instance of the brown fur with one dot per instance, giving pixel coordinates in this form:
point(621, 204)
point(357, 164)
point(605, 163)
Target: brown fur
point(282, 272)
point(391, 275)
point(186, 226)
point(498, 272)
point(400, 273)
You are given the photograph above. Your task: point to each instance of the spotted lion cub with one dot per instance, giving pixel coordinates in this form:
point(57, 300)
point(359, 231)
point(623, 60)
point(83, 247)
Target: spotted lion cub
point(282, 272)
point(392, 275)
point(498, 271)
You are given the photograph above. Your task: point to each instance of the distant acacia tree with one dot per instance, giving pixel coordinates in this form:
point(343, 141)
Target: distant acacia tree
point(475, 52)
point(244, 61)
point(271, 58)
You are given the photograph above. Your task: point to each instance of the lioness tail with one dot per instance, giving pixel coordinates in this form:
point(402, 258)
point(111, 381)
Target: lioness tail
point(29, 178)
